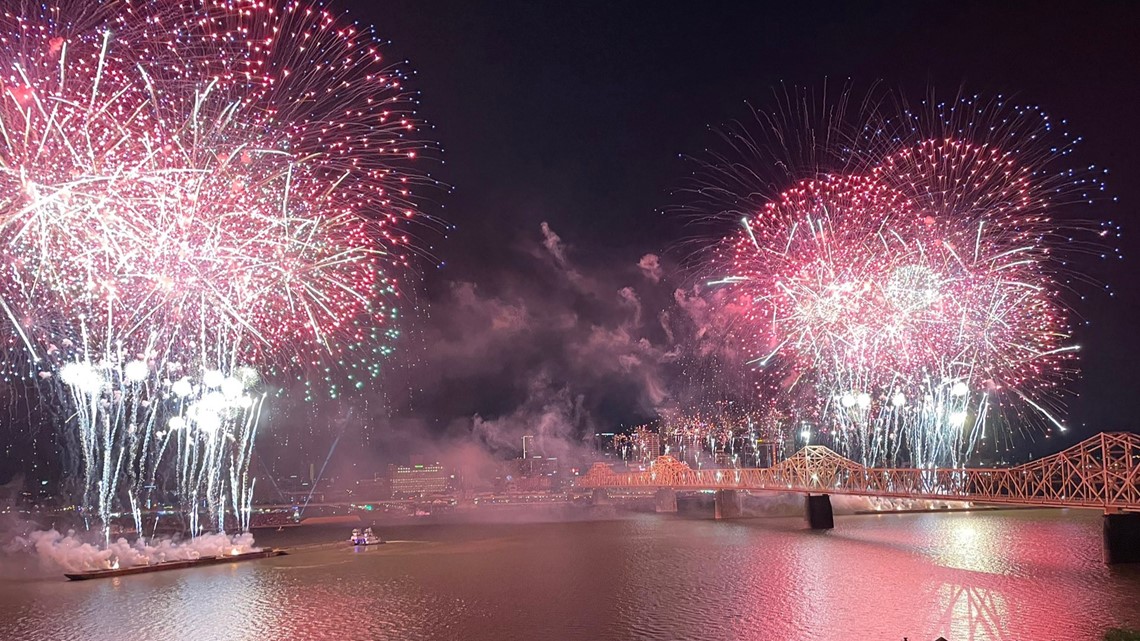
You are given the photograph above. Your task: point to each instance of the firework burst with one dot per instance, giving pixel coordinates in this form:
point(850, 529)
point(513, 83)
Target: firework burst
point(904, 283)
point(197, 199)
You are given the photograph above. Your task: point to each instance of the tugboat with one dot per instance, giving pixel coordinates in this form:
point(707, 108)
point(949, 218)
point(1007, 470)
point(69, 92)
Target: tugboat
point(367, 537)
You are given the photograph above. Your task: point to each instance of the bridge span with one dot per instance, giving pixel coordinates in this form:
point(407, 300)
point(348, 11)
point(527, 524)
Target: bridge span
point(1102, 472)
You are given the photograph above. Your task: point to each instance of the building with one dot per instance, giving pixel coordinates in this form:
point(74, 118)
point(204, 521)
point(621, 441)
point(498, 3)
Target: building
point(373, 489)
point(646, 445)
point(606, 445)
point(528, 447)
point(417, 480)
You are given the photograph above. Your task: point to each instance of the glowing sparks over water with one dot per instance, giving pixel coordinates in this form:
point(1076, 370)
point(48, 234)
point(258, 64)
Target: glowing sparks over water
point(912, 281)
point(194, 199)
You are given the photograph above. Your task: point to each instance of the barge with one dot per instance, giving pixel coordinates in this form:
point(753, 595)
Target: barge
point(173, 565)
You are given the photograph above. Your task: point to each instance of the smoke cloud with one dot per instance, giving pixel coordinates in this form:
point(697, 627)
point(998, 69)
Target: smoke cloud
point(650, 266)
point(550, 347)
point(72, 552)
point(543, 343)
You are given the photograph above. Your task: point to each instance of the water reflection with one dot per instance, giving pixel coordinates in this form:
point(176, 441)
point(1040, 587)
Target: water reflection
point(1007, 576)
point(970, 613)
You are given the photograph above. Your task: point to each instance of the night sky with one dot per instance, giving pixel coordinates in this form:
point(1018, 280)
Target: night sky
point(576, 115)
point(563, 127)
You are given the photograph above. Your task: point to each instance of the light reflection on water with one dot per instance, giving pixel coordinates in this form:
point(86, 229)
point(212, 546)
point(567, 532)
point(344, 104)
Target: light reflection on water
point(1016, 575)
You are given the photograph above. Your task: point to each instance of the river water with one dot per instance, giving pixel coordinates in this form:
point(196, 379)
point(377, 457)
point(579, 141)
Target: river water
point(1024, 575)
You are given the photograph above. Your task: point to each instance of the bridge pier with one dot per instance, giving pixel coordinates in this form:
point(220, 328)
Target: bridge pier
point(1122, 537)
point(665, 500)
point(817, 512)
point(600, 496)
point(727, 504)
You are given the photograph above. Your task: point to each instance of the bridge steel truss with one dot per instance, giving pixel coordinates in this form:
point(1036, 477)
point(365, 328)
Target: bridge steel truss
point(1101, 472)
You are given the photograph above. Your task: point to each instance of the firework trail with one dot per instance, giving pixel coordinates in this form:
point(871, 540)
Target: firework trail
point(197, 201)
point(722, 434)
point(902, 279)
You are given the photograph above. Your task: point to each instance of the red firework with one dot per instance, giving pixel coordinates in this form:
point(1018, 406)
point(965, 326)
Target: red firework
point(914, 288)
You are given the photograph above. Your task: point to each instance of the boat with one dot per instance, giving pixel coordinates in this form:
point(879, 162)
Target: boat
point(367, 537)
point(174, 565)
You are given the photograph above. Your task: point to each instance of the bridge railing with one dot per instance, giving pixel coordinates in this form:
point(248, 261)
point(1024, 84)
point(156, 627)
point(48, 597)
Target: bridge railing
point(1103, 471)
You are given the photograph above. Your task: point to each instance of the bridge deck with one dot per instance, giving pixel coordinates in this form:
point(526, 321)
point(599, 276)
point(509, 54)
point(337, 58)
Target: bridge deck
point(1102, 472)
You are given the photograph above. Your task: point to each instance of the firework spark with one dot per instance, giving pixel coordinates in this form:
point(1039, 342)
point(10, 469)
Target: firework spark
point(908, 282)
point(195, 199)
point(722, 434)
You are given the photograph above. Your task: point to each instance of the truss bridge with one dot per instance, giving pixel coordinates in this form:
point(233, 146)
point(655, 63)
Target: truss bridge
point(1102, 472)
